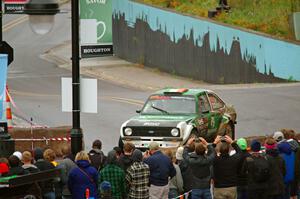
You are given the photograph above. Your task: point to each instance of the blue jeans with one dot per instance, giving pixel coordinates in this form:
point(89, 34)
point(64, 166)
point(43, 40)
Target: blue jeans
point(49, 195)
point(201, 194)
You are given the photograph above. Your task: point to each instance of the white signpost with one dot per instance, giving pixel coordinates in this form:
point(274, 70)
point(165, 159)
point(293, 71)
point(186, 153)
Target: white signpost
point(88, 95)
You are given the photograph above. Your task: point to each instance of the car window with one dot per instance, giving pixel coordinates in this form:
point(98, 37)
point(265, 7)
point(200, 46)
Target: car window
point(215, 102)
point(157, 104)
point(203, 104)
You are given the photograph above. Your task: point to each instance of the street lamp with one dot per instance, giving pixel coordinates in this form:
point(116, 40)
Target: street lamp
point(38, 8)
point(41, 15)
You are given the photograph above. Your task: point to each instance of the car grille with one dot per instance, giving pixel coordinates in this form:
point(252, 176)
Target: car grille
point(152, 131)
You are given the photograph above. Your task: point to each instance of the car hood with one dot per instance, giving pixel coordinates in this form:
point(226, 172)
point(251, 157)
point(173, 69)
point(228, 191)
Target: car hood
point(158, 120)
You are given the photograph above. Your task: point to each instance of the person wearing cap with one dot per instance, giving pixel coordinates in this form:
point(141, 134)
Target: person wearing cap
point(200, 164)
point(137, 177)
point(114, 175)
point(256, 162)
point(277, 170)
point(161, 169)
point(242, 177)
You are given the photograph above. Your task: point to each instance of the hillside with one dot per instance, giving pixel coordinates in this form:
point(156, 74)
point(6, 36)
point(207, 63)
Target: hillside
point(267, 16)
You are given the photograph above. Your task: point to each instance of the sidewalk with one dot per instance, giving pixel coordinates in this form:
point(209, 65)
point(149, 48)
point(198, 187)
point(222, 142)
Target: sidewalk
point(128, 74)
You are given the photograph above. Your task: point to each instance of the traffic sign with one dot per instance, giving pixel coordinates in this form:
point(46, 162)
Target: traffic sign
point(5, 48)
point(14, 6)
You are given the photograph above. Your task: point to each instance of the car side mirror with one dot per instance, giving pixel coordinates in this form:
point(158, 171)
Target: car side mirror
point(205, 111)
point(138, 111)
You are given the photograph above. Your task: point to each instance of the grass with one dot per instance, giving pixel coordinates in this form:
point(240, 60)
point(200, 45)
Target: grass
point(267, 16)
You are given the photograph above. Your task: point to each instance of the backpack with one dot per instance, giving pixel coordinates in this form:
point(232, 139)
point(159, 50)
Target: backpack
point(261, 168)
point(97, 159)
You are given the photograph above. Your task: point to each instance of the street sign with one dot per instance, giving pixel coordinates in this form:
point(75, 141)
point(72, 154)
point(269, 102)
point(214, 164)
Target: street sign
point(5, 48)
point(14, 6)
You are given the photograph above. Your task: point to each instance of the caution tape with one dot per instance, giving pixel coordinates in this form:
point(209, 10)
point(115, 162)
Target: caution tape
point(44, 139)
point(22, 114)
point(184, 196)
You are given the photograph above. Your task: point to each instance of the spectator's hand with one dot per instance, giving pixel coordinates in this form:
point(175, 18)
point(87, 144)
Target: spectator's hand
point(217, 140)
point(190, 141)
point(203, 141)
point(228, 139)
point(146, 154)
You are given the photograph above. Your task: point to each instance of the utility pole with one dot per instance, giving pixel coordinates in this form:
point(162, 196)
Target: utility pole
point(76, 133)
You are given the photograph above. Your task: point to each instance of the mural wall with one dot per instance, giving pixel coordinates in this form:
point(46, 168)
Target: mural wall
point(200, 49)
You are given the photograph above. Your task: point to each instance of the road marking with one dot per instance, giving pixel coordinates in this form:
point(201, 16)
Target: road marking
point(14, 23)
point(112, 98)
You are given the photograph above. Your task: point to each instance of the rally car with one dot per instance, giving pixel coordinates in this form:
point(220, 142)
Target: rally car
point(171, 116)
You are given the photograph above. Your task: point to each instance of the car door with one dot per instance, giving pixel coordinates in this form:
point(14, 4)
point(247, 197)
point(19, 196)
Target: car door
point(216, 114)
point(203, 110)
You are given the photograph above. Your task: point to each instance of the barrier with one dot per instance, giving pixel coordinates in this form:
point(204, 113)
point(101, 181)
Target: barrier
point(28, 138)
point(8, 110)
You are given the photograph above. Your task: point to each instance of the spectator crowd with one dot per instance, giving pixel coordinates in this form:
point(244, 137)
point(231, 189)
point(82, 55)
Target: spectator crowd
point(224, 169)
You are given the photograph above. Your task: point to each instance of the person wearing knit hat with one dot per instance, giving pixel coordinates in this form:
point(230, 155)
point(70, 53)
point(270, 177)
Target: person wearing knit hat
point(242, 188)
point(18, 154)
point(257, 167)
point(255, 146)
point(278, 136)
point(277, 169)
point(242, 143)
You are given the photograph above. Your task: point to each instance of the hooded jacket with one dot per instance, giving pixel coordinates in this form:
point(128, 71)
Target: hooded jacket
point(288, 155)
point(277, 171)
point(200, 166)
point(97, 158)
point(81, 178)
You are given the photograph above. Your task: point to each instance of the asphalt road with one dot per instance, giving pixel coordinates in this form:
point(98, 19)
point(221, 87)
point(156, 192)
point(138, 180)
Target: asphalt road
point(36, 86)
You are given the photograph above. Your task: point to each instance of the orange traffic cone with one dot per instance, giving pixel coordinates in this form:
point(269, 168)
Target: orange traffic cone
point(8, 110)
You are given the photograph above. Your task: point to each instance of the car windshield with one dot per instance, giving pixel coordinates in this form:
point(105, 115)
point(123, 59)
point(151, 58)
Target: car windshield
point(158, 104)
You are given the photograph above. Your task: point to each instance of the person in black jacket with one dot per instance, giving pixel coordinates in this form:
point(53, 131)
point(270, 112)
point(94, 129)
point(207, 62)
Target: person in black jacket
point(96, 156)
point(125, 159)
point(47, 187)
point(225, 169)
point(242, 192)
point(276, 187)
point(15, 166)
point(200, 164)
point(254, 166)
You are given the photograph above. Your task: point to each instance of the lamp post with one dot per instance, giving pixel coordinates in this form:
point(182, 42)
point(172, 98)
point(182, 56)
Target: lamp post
point(45, 8)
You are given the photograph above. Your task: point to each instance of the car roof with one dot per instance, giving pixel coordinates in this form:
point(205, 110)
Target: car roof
point(182, 91)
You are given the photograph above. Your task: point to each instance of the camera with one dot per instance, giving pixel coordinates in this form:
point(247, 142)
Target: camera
point(197, 140)
point(223, 138)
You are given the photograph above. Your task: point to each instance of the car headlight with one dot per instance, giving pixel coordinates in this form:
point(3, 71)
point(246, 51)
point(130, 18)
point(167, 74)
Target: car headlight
point(128, 131)
point(175, 132)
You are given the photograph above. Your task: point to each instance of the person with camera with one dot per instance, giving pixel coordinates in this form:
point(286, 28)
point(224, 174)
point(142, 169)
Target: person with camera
point(225, 168)
point(200, 163)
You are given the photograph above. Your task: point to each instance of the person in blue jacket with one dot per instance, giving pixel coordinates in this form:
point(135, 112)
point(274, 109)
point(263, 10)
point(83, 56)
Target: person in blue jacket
point(288, 155)
point(83, 178)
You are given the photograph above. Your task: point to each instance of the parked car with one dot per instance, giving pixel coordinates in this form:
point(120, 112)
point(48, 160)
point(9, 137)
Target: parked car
point(171, 116)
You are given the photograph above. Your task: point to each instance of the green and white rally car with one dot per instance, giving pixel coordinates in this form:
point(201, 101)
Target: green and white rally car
point(171, 116)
